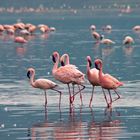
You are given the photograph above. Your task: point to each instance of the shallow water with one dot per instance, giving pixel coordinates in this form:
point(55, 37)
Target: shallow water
point(23, 114)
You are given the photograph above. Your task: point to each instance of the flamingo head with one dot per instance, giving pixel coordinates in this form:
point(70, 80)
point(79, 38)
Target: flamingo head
point(63, 59)
point(30, 71)
point(89, 61)
point(98, 64)
point(55, 56)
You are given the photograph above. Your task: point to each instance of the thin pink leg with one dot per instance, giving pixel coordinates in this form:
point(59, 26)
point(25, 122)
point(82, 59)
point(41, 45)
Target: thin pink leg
point(91, 96)
point(117, 95)
point(80, 95)
point(110, 97)
point(105, 97)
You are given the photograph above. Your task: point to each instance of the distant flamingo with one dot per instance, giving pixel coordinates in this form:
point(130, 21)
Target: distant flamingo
point(96, 36)
point(106, 40)
point(43, 84)
point(66, 62)
point(107, 81)
point(20, 39)
point(65, 75)
point(92, 27)
point(128, 40)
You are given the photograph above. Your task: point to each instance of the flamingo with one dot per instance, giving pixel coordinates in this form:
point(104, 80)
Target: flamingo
point(128, 40)
point(66, 75)
point(65, 58)
point(96, 35)
point(92, 27)
point(93, 77)
point(41, 83)
point(20, 39)
point(107, 81)
point(106, 40)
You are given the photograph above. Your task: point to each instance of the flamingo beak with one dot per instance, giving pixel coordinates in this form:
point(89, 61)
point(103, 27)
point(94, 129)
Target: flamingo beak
point(96, 66)
point(90, 64)
point(62, 63)
point(28, 74)
point(53, 59)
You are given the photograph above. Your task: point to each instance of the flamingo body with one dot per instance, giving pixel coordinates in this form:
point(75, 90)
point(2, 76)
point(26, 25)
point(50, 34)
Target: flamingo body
point(20, 39)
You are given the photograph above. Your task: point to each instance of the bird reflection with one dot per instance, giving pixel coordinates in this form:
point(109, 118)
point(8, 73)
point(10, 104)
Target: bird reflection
point(107, 129)
point(73, 127)
point(21, 50)
point(107, 50)
point(128, 50)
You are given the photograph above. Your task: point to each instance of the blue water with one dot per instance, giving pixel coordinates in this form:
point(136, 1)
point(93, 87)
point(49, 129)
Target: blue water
point(22, 112)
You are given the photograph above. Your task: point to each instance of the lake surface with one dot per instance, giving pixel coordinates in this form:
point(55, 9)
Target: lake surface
point(22, 112)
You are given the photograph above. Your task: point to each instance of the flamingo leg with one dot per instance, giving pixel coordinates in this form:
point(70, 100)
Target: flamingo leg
point(105, 97)
point(70, 97)
point(59, 97)
point(91, 97)
point(45, 98)
point(80, 95)
point(117, 95)
point(110, 96)
point(79, 90)
point(73, 92)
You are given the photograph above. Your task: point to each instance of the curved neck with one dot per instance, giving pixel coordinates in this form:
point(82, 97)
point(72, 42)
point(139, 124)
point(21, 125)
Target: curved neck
point(101, 71)
point(32, 79)
point(67, 60)
point(55, 66)
point(88, 67)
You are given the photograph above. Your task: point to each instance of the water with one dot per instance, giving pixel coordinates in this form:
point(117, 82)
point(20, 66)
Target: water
point(23, 115)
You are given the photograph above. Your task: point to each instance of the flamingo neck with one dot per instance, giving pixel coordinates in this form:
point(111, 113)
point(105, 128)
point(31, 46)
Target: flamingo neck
point(67, 59)
point(88, 68)
point(101, 72)
point(32, 79)
point(55, 67)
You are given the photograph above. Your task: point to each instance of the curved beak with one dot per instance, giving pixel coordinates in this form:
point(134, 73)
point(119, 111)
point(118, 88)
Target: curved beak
point(62, 63)
point(96, 66)
point(53, 59)
point(90, 64)
point(28, 74)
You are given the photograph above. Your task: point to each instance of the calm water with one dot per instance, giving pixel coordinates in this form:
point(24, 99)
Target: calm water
point(22, 112)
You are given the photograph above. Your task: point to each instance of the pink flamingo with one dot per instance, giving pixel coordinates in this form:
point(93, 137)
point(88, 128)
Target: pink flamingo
point(43, 84)
point(107, 81)
point(66, 62)
point(20, 39)
point(66, 75)
point(93, 77)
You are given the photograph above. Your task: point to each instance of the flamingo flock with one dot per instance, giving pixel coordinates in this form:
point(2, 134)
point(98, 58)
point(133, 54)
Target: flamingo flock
point(69, 74)
point(22, 31)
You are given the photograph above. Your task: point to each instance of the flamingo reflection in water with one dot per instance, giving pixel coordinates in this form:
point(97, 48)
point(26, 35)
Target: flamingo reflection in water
point(108, 128)
point(75, 128)
point(64, 60)
point(43, 84)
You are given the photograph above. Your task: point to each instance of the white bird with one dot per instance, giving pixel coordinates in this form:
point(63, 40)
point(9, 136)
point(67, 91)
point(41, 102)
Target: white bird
point(41, 83)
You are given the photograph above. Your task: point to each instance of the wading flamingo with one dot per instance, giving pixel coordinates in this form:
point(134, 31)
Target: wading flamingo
point(107, 81)
point(106, 40)
point(65, 75)
point(64, 60)
point(43, 84)
point(93, 77)
point(128, 40)
point(20, 39)
point(96, 36)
